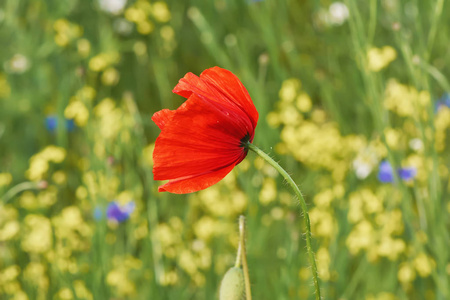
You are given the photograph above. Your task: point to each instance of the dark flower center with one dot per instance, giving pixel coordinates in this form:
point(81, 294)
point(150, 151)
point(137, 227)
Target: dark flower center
point(245, 141)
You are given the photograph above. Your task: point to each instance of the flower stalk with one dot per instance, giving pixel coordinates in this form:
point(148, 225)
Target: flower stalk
point(236, 281)
point(303, 207)
point(243, 254)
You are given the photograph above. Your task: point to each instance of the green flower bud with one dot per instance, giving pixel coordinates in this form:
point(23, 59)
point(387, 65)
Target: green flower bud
point(233, 286)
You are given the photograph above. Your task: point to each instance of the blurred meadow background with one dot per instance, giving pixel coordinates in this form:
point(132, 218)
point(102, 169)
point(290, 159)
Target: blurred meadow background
point(354, 102)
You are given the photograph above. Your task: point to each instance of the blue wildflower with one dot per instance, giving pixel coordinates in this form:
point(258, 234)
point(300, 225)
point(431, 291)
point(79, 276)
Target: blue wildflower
point(70, 124)
point(119, 213)
point(407, 173)
point(386, 173)
point(444, 101)
point(51, 123)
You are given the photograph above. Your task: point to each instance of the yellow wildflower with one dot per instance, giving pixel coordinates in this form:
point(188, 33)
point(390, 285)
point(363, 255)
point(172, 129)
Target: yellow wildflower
point(9, 230)
point(5, 179)
point(78, 111)
point(65, 294)
point(161, 12)
point(84, 47)
point(110, 76)
point(323, 263)
point(379, 58)
point(205, 228)
point(145, 27)
point(135, 15)
point(39, 163)
point(167, 33)
point(38, 236)
point(406, 273)
point(81, 291)
point(103, 60)
point(66, 31)
point(423, 264)
point(169, 278)
point(35, 273)
point(304, 103)
point(361, 237)
point(268, 191)
point(289, 90)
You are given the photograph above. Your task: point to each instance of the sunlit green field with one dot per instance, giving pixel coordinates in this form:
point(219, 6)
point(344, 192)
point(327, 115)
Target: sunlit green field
point(353, 100)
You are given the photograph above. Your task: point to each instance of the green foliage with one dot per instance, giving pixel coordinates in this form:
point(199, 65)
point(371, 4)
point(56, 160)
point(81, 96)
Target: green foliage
point(339, 90)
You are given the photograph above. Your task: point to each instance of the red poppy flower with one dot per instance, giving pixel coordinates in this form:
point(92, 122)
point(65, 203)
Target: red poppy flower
point(202, 141)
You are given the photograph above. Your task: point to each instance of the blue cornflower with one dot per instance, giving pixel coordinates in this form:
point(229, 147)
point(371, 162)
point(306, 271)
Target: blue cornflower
point(444, 101)
point(51, 123)
point(119, 213)
point(386, 173)
point(407, 173)
point(70, 124)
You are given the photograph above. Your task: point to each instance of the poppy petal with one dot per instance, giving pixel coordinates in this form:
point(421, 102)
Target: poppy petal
point(162, 117)
point(200, 137)
point(219, 85)
point(227, 83)
point(195, 183)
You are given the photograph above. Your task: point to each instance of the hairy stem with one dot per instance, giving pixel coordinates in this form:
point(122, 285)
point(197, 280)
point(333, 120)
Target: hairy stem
point(243, 254)
point(297, 191)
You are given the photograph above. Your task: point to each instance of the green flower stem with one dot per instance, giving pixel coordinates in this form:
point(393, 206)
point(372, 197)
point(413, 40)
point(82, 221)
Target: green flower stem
point(243, 254)
point(27, 185)
point(297, 191)
point(238, 256)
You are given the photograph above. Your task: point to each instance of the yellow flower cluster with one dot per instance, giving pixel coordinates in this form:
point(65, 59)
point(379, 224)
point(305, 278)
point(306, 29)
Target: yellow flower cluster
point(98, 185)
point(375, 230)
point(77, 108)
point(222, 200)
point(191, 258)
point(420, 264)
point(141, 11)
point(43, 199)
point(45, 241)
point(39, 163)
point(66, 32)
point(118, 277)
point(9, 226)
point(38, 235)
point(71, 230)
point(380, 58)
point(103, 60)
point(9, 283)
point(406, 101)
point(5, 179)
point(35, 275)
point(308, 136)
point(80, 289)
point(441, 125)
point(111, 120)
point(325, 226)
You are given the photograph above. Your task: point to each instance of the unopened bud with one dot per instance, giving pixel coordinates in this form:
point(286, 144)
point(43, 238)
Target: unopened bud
point(233, 286)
